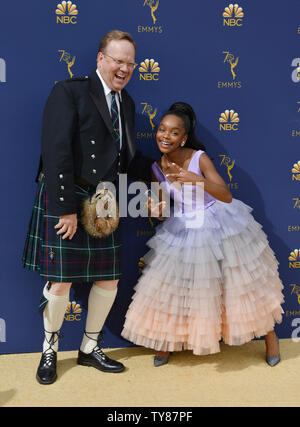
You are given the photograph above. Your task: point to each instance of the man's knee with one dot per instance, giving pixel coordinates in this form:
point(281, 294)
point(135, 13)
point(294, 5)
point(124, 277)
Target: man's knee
point(59, 288)
point(107, 284)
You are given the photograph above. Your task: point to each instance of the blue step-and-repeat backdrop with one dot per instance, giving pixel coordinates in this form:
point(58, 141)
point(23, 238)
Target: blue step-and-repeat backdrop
point(236, 64)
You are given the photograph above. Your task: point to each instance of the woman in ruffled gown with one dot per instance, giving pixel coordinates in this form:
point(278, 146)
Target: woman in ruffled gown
point(204, 280)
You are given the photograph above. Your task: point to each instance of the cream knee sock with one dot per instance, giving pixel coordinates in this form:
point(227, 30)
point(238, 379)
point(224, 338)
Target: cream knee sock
point(53, 317)
point(99, 305)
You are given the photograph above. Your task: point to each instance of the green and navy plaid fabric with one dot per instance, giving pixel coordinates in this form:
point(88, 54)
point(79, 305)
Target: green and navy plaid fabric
point(115, 118)
point(82, 259)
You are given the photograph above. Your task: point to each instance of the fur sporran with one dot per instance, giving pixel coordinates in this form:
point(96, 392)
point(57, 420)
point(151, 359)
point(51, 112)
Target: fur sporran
point(100, 213)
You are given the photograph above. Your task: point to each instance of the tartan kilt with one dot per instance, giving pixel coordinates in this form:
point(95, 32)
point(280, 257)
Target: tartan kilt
point(82, 259)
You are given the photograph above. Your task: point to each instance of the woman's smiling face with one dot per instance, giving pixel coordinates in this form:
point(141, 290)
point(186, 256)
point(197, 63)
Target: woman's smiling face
point(170, 134)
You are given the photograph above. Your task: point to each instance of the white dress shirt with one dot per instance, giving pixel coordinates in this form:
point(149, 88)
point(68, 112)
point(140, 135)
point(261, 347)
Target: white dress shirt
point(107, 93)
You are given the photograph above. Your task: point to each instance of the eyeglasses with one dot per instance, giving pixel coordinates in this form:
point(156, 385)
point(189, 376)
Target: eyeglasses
point(130, 65)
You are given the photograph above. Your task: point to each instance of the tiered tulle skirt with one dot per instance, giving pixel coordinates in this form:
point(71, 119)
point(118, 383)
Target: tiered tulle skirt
point(201, 285)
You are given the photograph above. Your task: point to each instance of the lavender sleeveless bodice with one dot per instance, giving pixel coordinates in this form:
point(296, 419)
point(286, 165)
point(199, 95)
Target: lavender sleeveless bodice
point(189, 190)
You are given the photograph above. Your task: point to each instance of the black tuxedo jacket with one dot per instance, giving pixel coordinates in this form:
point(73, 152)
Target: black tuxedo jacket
point(78, 141)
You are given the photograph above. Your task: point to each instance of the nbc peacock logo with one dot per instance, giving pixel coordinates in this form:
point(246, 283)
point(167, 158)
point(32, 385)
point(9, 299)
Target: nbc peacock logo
point(229, 120)
point(73, 312)
point(149, 70)
point(294, 259)
point(66, 13)
point(141, 265)
point(233, 16)
point(296, 171)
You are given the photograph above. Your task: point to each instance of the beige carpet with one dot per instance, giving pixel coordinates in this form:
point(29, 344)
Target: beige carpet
point(238, 376)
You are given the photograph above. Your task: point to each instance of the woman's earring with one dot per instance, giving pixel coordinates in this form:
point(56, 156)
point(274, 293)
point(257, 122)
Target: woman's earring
point(182, 144)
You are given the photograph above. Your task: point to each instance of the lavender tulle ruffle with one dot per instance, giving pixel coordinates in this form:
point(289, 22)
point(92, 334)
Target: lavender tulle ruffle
point(200, 285)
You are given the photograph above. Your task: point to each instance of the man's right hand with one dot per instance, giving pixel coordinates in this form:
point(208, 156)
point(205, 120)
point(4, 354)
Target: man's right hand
point(67, 225)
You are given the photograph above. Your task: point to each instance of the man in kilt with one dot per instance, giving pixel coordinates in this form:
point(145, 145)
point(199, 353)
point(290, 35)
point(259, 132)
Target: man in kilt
point(87, 137)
